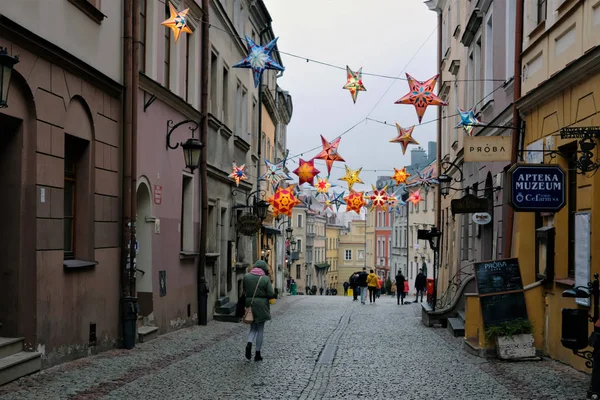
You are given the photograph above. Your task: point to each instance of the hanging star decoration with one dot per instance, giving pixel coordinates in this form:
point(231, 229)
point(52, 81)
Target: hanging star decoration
point(306, 172)
point(421, 95)
point(327, 204)
point(177, 22)
point(323, 185)
point(415, 197)
point(468, 120)
point(355, 201)
point(404, 137)
point(238, 174)
point(275, 173)
point(354, 84)
point(425, 180)
point(329, 153)
point(351, 177)
point(338, 200)
point(400, 175)
point(379, 198)
point(283, 200)
point(397, 205)
point(259, 58)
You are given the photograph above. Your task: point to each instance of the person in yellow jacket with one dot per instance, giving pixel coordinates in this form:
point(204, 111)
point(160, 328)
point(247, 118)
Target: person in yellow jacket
point(372, 283)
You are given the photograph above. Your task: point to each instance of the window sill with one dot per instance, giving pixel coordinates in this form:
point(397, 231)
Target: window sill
point(89, 9)
point(565, 281)
point(541, 27)
point(76, 265)
point(187, 255)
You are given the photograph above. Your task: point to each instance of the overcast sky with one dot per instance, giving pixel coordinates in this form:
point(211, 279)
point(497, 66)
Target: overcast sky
point(381, 36)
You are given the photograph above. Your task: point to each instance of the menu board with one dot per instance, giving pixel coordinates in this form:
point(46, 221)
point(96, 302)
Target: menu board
point(498, 276)
point(499, 308)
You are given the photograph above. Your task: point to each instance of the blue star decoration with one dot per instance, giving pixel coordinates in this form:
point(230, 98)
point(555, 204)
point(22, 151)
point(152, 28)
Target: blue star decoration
point(338, 200)
point(259, 58)
point(426, 180)
point(275, 173)
point(468, 120)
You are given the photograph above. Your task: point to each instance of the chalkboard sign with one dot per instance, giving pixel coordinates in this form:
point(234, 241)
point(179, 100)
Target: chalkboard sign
point(499, 308)
point(498, 276)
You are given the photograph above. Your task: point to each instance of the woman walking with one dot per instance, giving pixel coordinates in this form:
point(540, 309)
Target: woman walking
point(259, 293)
point(372, 283)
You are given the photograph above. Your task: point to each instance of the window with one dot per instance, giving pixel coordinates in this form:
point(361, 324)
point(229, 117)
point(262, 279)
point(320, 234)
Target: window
point(299, 221)
point(225, 115)
point(213, 83)
point(238, 109)
point(142, 43)
point(510, 37)
point(167, 54)
point(298, 275)
point(489, 60)
point(187, 213)
point(299, 245)
point(75, 196)
point(254, 124)
point(425, 201)
point(187, 66)
point(542, 6)
point(348, 255)
point(571, 206)
point(69, 203)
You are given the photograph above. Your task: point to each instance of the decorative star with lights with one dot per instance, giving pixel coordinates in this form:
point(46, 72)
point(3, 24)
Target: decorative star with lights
point(306, 172)
point(425, 180)
point(238, 174)
point(283, 200)
point(355, 201)
point(327, 204)
point(468, 120)
point(177, 22)
point(323, 185)
point(354, 84)
point(259, 58)
point(329, 152)
point(397, 205)
point(404, 137)
point(338, 200)
point(415, 197)
point(379, 198)
point(421, 95)
point(351, 177)
point(275, 173)
point(400, 175)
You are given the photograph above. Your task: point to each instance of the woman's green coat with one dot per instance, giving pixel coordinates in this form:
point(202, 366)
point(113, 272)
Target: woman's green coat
point(261, 308)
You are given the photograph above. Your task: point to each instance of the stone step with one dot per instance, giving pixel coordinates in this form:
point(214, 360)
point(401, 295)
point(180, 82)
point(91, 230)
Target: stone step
point(226, 317)
point(226, 309)
point(147, 333)
point(10, 346)
point(18, 365)
point(221, 301)
point(456, 327)
point(461, 316)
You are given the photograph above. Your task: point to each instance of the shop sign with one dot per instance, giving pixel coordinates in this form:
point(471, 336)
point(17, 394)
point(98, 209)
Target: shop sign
point(469, 204)
point(482, 218)
point(537, 187)
point(248, 224)
point(158, 194)
point(487, 148)
point(580, 132)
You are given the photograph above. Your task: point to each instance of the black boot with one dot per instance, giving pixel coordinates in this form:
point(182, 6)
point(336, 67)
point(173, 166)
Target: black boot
point(257, 356)
point(249, 351)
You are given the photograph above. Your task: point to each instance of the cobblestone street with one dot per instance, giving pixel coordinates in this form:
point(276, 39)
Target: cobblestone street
point(316, 347)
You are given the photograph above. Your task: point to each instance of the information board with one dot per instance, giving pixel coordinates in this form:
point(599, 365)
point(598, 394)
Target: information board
point(498, 276)
point(499, 308)
point(582, 252)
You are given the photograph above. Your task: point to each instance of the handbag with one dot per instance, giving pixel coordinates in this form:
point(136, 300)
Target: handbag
point(248, 315)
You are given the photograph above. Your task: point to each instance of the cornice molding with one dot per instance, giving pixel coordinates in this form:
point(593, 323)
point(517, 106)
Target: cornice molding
point(166, 96)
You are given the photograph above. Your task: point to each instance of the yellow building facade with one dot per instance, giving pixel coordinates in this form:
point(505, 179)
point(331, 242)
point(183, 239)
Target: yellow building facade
point(335, 281)
point(369, 238)
point(351, 251)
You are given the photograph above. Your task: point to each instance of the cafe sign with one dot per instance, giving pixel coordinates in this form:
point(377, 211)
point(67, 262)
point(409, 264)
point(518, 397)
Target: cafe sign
point(248, 224)
point(487, 148)
point(469, 204)
point(537, 187)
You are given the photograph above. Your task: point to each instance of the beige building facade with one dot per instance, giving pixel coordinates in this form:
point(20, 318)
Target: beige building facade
point(351, 250)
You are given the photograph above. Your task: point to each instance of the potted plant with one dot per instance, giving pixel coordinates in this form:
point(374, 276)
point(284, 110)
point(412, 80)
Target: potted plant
point(514, 339)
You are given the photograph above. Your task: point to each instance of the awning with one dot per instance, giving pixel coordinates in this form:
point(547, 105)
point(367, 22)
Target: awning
point(269, 230)
point(322, 265)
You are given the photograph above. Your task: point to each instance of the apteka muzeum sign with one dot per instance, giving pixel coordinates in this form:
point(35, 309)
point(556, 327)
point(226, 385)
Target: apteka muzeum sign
point(537, 187)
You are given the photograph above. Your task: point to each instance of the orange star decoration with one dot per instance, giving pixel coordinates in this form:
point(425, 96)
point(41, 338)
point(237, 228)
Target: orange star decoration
point(421, 95)
point(306, 172)
point(404, 137)
point(323, 185)
point(284, 200)
point(379, 198)
point(400, 175)
point(351, 177)
point(329, 152)
point(355, 201)
point(415, 197)
point(177, 22)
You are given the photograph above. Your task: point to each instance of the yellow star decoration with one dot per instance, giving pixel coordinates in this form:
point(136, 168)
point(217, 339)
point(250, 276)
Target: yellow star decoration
point(355, 201)
point(283, 201)
point(400, 175)
point(351, 177)
point(177, 22)
point(323, 185)
point(404, 137)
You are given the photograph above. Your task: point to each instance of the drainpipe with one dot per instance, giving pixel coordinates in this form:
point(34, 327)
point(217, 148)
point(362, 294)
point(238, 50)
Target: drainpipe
point(516, 122)
point(202, 288)
point(438, 211)
point(135, 83)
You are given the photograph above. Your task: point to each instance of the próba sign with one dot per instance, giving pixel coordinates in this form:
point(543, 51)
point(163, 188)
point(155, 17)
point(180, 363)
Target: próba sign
point(537, 187)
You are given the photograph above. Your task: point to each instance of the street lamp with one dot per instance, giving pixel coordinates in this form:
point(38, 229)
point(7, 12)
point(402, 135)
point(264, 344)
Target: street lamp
point(444, 181)
point(433, 236)
point(6, 67)
point(192, 148)
point(592, 357)
point(289, 232)
point(261, 208)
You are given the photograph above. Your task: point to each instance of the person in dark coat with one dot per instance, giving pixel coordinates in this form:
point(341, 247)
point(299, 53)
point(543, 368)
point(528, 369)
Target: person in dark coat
point(346, 285)
point(400, 287)
point(258, 280)
point(354, 285)
point(420, 283)
point(362, 284)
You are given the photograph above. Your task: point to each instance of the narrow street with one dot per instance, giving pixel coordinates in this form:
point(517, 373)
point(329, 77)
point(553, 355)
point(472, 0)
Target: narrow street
point(316, 347)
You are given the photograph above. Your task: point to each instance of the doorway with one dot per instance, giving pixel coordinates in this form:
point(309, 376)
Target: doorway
point(144, 227)
point(488, 229)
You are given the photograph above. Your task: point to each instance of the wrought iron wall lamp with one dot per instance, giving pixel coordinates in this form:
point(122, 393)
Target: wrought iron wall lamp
point(192, 148)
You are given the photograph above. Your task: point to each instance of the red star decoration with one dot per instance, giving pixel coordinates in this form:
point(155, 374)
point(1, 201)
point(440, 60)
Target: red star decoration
point(404, 137)
point(306, 172)
point(421, 95)
point(329, 152)
point(379, 198)
point(415, 197)
point(284, 200)
point(355, 201)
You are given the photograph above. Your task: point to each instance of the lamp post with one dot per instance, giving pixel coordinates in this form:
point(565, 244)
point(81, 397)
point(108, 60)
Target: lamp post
point(192, 148)
point(6, 67)
point(433, 237)
point(591, 290)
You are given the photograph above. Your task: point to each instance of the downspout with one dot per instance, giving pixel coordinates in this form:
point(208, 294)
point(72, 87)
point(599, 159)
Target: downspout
point(202, 288)
point(516, 122)
point(135, 83)
point(438, 211)
point(127, 145)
